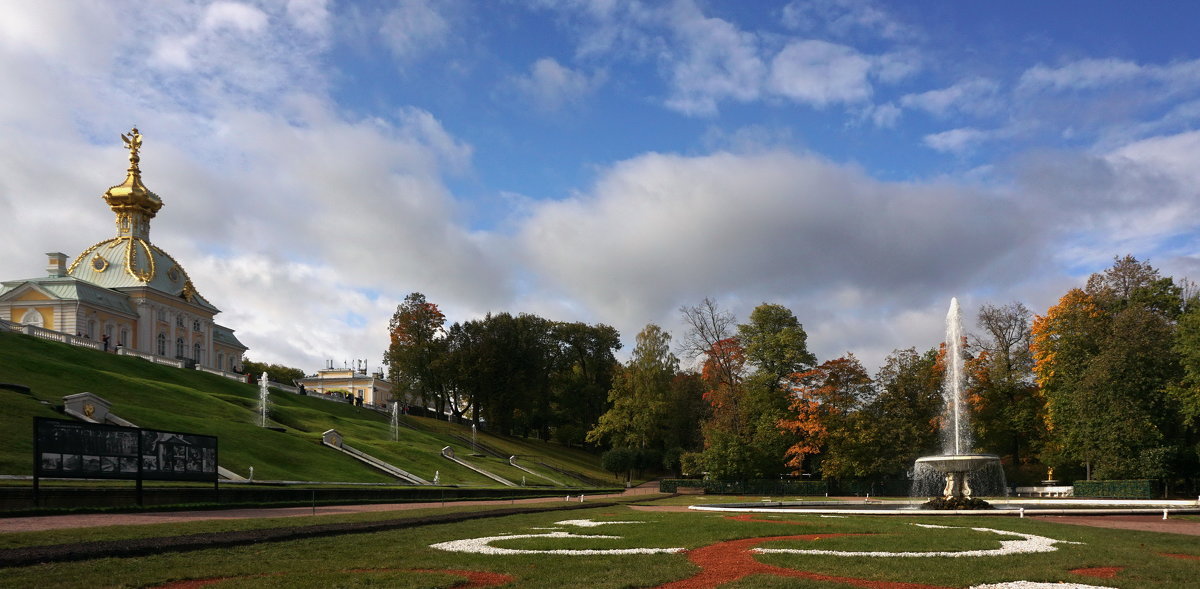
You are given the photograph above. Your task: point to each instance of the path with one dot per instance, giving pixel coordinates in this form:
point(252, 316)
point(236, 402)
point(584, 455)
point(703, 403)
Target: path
point(90, 520)
point(1143, 523)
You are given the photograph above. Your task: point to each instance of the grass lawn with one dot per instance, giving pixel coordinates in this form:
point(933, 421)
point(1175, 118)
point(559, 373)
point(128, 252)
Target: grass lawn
point(407, 558)
point(163, 397)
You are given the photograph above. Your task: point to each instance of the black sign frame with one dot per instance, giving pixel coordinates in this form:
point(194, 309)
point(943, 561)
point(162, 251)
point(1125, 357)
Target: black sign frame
point(76, 449)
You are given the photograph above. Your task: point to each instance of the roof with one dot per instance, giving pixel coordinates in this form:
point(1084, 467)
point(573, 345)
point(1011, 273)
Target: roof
point(224, 335)
point(69, 288)
point(123, 262)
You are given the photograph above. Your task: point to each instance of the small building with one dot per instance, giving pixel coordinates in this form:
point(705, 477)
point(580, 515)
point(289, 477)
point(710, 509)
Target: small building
point(126, 291)
point(370, 389)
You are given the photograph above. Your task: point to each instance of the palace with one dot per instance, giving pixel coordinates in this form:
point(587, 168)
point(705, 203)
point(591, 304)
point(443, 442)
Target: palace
point(125, 291)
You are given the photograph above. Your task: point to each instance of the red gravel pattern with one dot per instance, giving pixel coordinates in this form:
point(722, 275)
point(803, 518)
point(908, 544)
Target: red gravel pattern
point(1098, 572)
point(725, 562)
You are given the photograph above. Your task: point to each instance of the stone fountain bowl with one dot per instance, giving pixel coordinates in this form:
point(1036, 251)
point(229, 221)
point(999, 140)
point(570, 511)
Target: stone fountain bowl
point(958, 462)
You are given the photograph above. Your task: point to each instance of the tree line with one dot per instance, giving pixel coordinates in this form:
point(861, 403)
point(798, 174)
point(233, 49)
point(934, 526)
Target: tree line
point(1105, 384)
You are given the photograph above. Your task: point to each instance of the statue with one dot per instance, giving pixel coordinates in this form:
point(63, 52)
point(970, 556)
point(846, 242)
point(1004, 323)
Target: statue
point(133, 142)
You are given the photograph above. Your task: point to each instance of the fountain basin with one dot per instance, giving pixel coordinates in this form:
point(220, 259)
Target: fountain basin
point(958, 462)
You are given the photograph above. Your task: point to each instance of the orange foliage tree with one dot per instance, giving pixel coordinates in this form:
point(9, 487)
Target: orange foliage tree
point(824, 396)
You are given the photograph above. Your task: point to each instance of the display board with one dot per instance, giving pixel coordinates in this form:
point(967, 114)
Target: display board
point(72, 449)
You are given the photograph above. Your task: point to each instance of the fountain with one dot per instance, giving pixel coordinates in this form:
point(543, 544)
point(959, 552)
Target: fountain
point(964, 472)
point(395, 421)
point(263, 400)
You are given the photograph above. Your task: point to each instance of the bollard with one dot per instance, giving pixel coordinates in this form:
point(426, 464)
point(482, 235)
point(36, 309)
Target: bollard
point(1164, 514)
point(581, 497)
point(1022, 513)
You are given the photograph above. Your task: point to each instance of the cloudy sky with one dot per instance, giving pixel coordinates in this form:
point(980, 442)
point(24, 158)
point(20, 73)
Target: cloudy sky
point(608, 160)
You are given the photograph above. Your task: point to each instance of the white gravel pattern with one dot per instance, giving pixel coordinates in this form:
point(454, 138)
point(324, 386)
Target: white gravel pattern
point(483, 546)
point(1028, 543)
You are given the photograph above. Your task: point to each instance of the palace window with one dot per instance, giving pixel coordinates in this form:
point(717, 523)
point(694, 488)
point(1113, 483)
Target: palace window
point(196, 353)
point(179, 321)
point(124, 339)
point(179, 347)
point(162, 344)
point(196, 325)
point(220, 361)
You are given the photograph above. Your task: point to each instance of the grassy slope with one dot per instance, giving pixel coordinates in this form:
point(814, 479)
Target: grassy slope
point(169, 398)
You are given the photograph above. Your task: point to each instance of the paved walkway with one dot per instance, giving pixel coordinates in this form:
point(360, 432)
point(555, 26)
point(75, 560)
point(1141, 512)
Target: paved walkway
point(89, 520)
point(1145, 523)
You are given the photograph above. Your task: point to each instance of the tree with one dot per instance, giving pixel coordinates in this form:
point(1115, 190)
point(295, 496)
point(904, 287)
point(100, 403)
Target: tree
point(415, 328)
point(775, 342)
point(742, 438)
point(275, 372)
point(640, 394)
point(1002, 394)
point(1105, 360)
point(584, 371)
point(825, 399)
point(897, 425)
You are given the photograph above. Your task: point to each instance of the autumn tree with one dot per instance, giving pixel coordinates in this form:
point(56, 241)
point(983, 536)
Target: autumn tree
point(415, 329)
point(826, 398)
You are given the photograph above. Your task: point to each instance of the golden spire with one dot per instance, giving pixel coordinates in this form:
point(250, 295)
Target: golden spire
point(133, 203)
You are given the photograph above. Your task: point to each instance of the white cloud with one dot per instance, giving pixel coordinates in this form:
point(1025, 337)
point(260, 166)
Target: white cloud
point(958, 141)
point(1083, 74)
point(414, 27)
point(820, 73)
point(974, 95)
point(710, 60)
point(234, 15)
point(843, 18)
point(550, 86)
point(659, 231)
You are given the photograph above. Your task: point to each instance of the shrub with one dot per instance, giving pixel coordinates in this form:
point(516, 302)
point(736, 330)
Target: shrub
point(1135, 489)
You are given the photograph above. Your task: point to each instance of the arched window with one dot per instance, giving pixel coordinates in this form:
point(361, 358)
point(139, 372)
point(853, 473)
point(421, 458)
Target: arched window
point(196, 352)
point(32, 317)
point(123, 341)
point(220, 361)
point(91, 332)
point(179, 347)
point(162, 344)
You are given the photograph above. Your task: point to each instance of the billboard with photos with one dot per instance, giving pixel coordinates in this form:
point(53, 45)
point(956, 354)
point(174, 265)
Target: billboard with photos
point(73, 449)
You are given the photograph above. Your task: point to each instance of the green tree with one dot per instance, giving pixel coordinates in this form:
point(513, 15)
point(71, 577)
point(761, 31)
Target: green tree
point(275, 372)
point(742, 437)
point(882, 439)
point(1106, 359)
point(640, 394)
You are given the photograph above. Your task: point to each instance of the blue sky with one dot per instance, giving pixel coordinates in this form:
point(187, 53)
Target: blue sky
point(609, 161)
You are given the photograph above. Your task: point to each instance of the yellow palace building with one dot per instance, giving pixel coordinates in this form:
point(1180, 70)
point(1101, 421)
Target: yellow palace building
point(125, 291)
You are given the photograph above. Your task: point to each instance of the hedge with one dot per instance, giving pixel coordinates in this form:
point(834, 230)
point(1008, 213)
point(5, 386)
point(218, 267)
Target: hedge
point(758, 487)
point(1136, 489)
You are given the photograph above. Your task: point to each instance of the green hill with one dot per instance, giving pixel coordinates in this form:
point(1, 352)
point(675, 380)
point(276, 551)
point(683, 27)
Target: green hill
point(163, 397)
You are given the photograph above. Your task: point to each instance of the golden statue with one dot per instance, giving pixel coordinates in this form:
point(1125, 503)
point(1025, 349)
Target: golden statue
point(133, 142)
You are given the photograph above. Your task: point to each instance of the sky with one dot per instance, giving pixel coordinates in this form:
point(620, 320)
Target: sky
point(608, 161)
